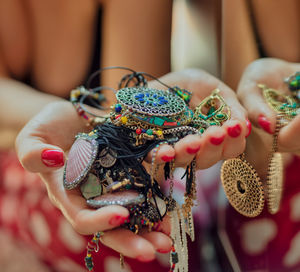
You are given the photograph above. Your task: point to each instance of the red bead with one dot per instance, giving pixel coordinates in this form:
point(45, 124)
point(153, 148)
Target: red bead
point(138, 131)
point(118, 116)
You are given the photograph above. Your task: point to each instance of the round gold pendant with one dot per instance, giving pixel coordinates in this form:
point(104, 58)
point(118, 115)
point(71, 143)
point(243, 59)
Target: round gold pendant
point(242, 187)
point(275, 183)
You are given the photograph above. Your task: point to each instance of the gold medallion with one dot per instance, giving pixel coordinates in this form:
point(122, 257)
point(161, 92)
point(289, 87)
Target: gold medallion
point(242, 187)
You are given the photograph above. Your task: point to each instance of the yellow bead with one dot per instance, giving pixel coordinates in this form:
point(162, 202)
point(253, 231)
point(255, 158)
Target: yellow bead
point(124, 120)
point(159, 132)
point(91, 133)
point(89, 255)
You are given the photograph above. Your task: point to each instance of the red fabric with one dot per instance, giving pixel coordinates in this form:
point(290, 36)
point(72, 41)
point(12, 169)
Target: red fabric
point(26, 212)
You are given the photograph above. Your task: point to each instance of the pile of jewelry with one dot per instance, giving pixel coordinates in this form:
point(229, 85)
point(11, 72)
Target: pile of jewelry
point(107, 163)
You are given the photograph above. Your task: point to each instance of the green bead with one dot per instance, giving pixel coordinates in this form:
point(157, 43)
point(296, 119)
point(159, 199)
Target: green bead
point(220, 115)
point(149, 131)
point(201, 130)
point(213, 124)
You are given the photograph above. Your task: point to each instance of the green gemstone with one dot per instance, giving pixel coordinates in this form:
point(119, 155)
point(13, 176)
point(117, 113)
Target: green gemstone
point(211, 110)
point(91, 188)
point(149, 131)
point(220, 115)
point(213, 124)
point(158, 121)
point(201, 130)
point(294, 114)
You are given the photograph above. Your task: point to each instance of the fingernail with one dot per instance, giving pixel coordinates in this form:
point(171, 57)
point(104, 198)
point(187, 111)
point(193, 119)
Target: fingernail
point(156, 226)
point(167, 158)
point(217, 140)
point(265, 124)
point(52, 157)
point(249, 126)
point(163, 250)
point(144, 259)
point(192, 150)
point(118, 220)
point(234, 131)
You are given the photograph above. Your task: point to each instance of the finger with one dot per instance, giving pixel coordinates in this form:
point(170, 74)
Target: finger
point(288, 138)
point(186, 149)
point(74, 207)
point(270, 72)
point(160, 241)
point(163, 226)
point(212, 147)
point(129, 244)
point(165, 153)
point(41, 142)
point(235, 142)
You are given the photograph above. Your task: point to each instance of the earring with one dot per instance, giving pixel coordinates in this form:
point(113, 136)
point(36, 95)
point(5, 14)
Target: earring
point(213, 110)
point(242, 186)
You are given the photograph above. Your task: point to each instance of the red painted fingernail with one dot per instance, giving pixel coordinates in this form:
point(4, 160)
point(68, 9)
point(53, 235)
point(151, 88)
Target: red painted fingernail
point(192, 150)
point(234, 131)
point(163, 250)
point(249, 126)
point(144, 259)
point(118, 220)
point(156, 226)
point(265, 124)
point(217, 140)
point(167, 158)
point(52, 157)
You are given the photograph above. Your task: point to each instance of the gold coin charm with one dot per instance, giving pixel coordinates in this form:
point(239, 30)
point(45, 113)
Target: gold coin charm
point(275, 183)
point(242, 187)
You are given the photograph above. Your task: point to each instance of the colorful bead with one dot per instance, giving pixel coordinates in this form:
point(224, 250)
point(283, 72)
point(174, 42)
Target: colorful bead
point(159, 132)
point(118, 108)
point(149, 131)
point(138, 131)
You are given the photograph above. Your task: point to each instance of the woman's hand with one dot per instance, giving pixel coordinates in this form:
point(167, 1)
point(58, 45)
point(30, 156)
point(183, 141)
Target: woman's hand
point(270, 72)
point(41, 146)
point(216, 143)
point(42, 143)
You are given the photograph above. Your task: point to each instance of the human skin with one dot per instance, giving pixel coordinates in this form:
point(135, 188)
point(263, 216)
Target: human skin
point(46, 129)
point(270, 72)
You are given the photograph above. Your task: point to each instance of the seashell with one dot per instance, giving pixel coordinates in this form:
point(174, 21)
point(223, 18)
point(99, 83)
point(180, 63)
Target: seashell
point(124, 198)
point(81, 157)
point(161, 205)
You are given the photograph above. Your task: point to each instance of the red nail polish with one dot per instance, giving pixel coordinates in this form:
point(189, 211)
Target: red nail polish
point(52, 157)
point(167, 158)
point(217, 140)
point(117, 220)
point(234, 131)
point(249, 126)
point(156, 226)
point(163, 250)
point(265, 124)
point(192, 150)
point(144, 259)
